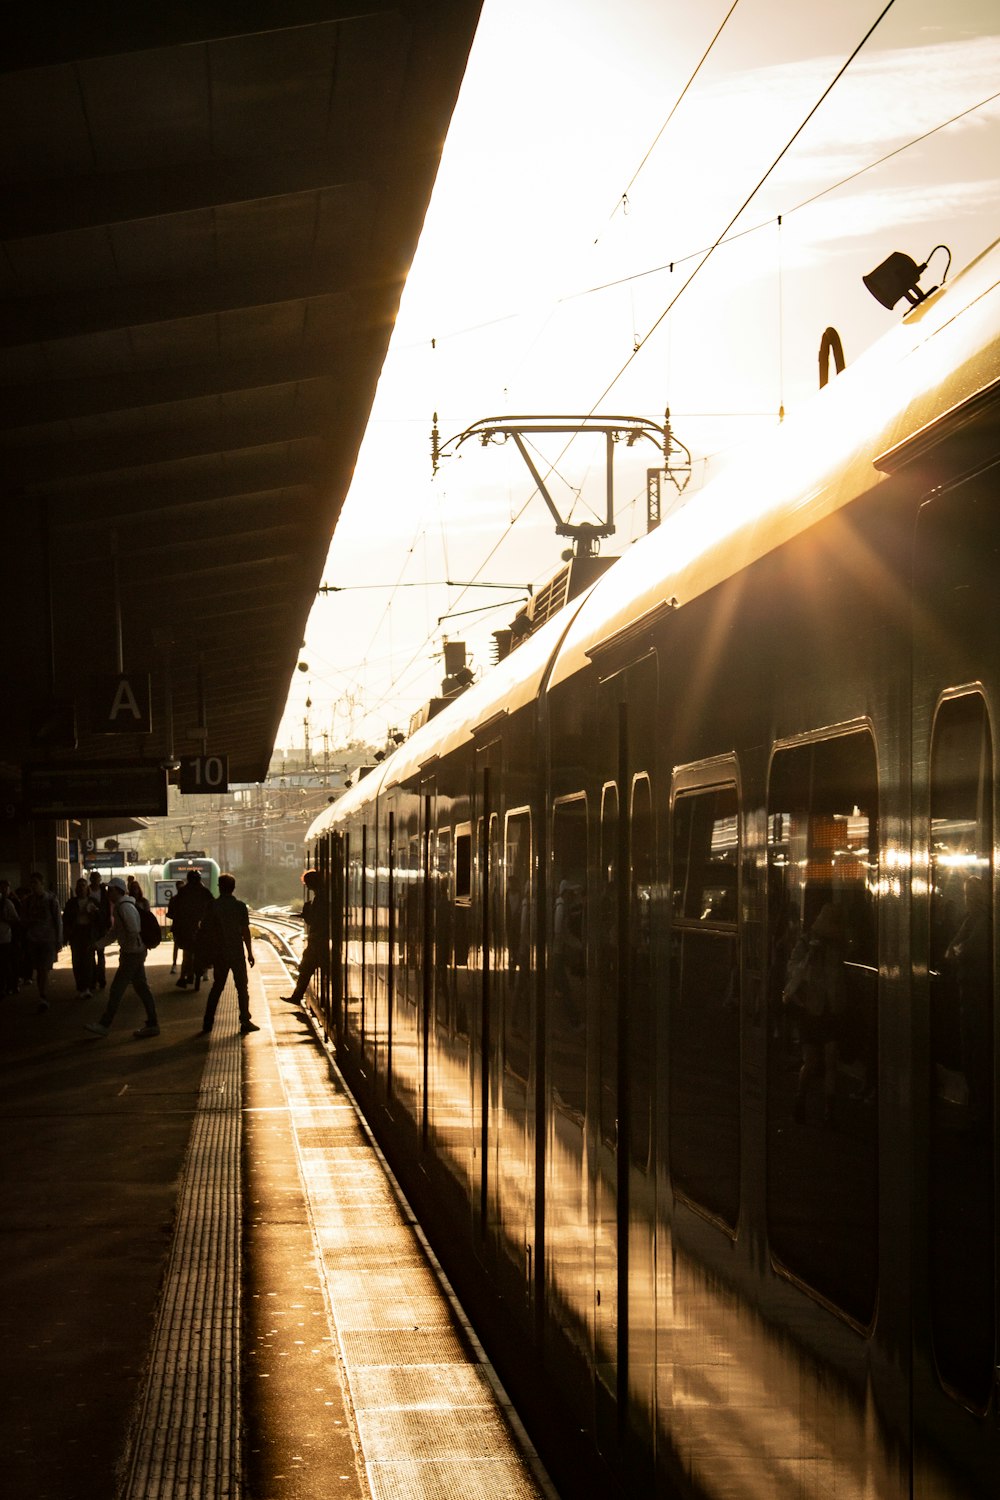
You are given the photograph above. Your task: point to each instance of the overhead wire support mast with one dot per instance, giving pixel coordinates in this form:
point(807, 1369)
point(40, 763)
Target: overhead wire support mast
point(615, 429)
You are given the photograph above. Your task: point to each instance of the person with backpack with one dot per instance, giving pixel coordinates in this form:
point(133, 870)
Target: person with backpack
point(149, 924)
point(127, 932)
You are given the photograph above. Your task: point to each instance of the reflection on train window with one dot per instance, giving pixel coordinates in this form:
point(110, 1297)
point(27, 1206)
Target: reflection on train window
point(568, 948)
point(463, 864)
point(441, 928)
point(412, 923)
point(640, 973)
point(705, 856)
point(961, 1164)
point(704, 1044)
point(822, 1113)
point(519, 907)
point(493, 885)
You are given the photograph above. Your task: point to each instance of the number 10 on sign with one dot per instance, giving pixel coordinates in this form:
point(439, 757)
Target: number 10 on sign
point(204, 774)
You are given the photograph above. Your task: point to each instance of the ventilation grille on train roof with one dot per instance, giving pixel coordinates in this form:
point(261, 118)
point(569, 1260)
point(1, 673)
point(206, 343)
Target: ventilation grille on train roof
point(563, 586)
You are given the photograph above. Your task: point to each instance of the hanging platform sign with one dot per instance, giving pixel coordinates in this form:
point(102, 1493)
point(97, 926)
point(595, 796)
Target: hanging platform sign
point(72, 790)
point(121, 704)
point(203, 774)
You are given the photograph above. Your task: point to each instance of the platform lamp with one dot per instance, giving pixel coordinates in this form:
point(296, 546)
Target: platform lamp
point(898, 276)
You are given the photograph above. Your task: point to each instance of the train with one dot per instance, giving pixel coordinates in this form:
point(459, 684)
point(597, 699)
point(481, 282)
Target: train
point(177, 869)
point(147, 875)
point(742, 1225)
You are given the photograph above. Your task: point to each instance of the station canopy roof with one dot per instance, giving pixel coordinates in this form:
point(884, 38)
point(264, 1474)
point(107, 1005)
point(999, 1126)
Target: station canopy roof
point(209, 212)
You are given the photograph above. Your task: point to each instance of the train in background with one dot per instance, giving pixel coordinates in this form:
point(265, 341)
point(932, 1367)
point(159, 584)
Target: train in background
point(745, 1227)
point(178, 868)
point(152, 876)
point(147, 875)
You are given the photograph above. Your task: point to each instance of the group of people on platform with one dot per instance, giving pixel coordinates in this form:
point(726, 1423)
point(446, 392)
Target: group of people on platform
point(33, 930)
point(209, 933)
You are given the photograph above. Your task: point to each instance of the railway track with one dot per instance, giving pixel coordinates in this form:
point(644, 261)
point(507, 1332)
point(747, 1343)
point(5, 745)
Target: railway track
point(284, 931)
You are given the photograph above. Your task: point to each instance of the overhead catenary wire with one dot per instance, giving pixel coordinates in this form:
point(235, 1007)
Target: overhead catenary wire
point(728, 236)
point(745, 204)
point(622, 199)
point(749, 199)
point(729, 239)
point(705, 257)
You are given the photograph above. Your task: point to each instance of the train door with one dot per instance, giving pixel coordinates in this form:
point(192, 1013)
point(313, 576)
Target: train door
point(488, 935)
point(391, 887)
point(515, 975)
point(358, 938)
point(957, 699)
point(428, 885)
point(406, 1085)
point(339, 885)
point(623, 1092)
point(330, 859)
point(374, 915)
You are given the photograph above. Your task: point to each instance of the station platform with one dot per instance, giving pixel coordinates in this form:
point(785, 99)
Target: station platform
point(209, 1284)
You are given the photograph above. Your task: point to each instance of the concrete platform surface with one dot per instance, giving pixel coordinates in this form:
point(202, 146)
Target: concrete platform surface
point(207, 1286)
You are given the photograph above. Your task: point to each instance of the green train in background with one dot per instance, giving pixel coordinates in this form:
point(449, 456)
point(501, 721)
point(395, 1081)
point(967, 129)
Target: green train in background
point(177, 869)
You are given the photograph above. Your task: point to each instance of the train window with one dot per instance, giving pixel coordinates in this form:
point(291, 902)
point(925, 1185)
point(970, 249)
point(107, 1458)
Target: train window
point(706, 853)
point(822, 1105)
point(568, 948)
point(640, 973)
point(441, 927)
point(704, 1002)
point(463, 864)
point(412, 922)
point(518, 913)
point(961, 1161)
point(608, 965)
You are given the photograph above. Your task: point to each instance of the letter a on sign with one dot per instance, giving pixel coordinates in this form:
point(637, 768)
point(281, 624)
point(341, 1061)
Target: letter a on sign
point(121, 705)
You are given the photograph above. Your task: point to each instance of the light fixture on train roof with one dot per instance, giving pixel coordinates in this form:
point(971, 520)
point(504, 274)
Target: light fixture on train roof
point(898, 276)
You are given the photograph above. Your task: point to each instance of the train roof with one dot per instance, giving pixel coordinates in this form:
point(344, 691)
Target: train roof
point(850, 437)
point(511, 684)
point(936, 361)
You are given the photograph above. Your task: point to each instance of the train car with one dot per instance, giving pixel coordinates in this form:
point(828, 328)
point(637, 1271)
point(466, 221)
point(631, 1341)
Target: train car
point(146, 875)
point(177, 869)
point(665, 958)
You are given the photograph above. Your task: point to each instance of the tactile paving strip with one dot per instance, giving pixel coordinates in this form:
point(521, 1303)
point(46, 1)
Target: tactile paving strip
point(187, 1446)
point(431, 1419)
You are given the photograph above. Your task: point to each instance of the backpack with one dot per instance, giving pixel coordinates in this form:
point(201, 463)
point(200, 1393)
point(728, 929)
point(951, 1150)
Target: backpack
point(208, 942)
point(149, 928)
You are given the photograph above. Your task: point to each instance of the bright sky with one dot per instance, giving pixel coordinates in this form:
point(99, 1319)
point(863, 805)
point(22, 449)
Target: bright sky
point(594, 144)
